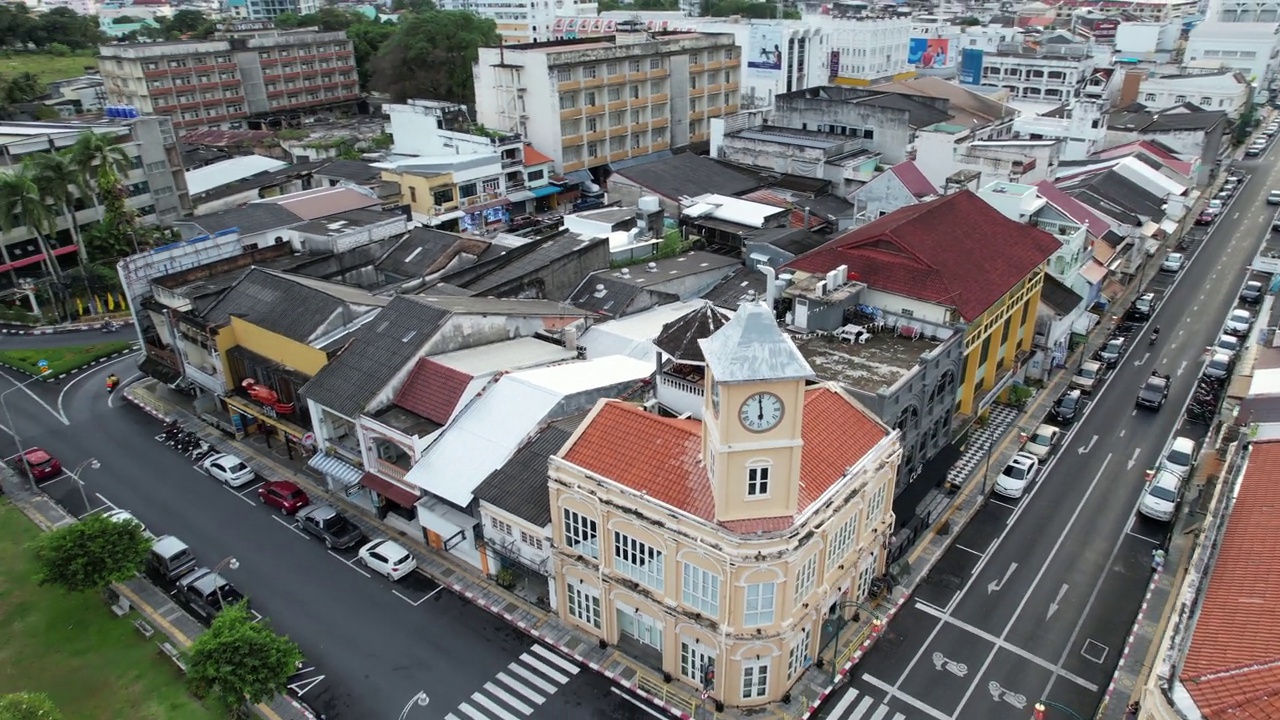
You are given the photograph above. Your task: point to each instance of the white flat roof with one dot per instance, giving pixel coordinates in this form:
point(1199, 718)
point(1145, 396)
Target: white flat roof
point(1265, 383)
point(516, 354)
point(225, 172)
point(731, 209)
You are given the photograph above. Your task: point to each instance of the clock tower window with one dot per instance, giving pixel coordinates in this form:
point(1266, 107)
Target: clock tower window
point(758, 481)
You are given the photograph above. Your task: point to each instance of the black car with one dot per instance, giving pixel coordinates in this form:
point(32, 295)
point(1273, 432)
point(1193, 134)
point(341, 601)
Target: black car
point(1109, 354)
point(1068, 407)
point(1143, 307)
point(207, 592)
point(330, 526)
point(1154, 391)
point(1252, 292)
point(588, 203)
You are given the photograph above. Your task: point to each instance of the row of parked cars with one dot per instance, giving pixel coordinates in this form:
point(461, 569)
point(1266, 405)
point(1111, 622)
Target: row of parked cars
point(1219, 201)
point(1259, 144)
point(1164, 491)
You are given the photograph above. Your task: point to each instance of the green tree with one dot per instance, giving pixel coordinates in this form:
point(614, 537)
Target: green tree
point(419, 6)
point(21, 198)
point(28, 706)
point(23, 88)
point(743, 8)
point(189, 22)
point(288, 21)
point(62, 180)
point(92, 150)
point(431, 54)
point(240, 661)
point(91, 554)
point(367, 38)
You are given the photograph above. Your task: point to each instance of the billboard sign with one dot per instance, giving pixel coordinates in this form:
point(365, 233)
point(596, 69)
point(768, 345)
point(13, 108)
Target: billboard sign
point(766, 49)
point(1105, 29)
point(929, 52)
point(971, 66)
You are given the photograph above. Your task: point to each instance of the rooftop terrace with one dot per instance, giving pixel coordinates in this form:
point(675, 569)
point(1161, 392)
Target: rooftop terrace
point(880, 362)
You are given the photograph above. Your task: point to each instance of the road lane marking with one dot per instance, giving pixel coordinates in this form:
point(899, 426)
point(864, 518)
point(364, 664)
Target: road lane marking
point(561, 662)
point(993, 501)
point(933, 608)
point(291, 526)
point(520, 688)
point(1099, 650)
point(544, 668)
point(1057, 602)
point(975, 552)
point(998, 584)
point(1057, 545)
point(620, 694)
point(507, 698)
point(89, 373)
point(913, 702)
point(1010, 647)
point(21, 386)
point(111, 399)
point(233, 492)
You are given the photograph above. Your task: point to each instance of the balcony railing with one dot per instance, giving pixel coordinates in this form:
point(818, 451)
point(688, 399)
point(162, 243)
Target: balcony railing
point(1055, 227)
point(395, 472)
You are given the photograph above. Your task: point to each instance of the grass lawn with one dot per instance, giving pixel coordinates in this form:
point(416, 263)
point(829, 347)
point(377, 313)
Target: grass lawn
point(62, 359)
point(94, 665)
point(47, 67)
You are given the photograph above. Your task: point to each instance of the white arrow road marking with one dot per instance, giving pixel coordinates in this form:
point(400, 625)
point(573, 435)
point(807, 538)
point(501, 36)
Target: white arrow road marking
point(1134, 459)
point(1182, 367)
point(995, 585)
point(1144, 359)
point(1053, 606)
point(302, 686)
point(1086, 448)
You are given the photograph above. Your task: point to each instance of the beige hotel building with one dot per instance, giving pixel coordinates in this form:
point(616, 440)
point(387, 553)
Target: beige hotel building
point(724, 542)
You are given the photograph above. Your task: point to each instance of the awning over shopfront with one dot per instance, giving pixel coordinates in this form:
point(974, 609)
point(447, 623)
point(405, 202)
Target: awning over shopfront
point(395, 493)
point(452, 215)
point(520, 196)
point(1168, 226)
point(336, 468)
point(245, 407)
point(545, 190)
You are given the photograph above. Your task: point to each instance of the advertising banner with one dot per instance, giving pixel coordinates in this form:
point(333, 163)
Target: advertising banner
point(929, 52)
point(971, 66)
point(1105, 29)
point(766, 50)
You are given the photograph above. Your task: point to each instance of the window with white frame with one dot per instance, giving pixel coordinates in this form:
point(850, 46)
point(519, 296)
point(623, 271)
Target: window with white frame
point(866, 575)
point(798, 656)
point(755, 679)
point(564, 75)
point(758, 481)
point(805, 577)
point(840, 541)
point(532, 541)
point(584, 603)
point(694, 660)
point(758, 608)
point(700, 589)
point(581, 533)
point(637, 560)
point(876, 509)
point(499, 525)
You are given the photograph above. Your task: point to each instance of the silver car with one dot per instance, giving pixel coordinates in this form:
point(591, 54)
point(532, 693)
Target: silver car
point(1172, 262)
point(1219, 366)
point(1088, 376)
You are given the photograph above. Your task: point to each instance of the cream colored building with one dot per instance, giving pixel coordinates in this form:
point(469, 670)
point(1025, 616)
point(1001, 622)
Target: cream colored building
point(723, 544)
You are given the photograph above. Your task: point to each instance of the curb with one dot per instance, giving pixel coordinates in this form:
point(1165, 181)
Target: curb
point(73, 371)
point(63, 329)
point(1133, 634)
point(494, 609)
point(862, 650)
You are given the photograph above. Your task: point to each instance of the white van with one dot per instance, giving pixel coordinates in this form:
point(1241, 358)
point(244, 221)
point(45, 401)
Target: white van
point(1160, 499)
point(1180, 457)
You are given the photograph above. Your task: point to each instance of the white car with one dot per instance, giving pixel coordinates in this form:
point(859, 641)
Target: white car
point(1273, 197)
point(1215, 206)
point(1172, 263)
point(230, 470)
point(1227, 345)
point(1180, 457)
point(387, 558)
point(1040, 444)
point(1160, 499)
point(124, 516)
point(1017, 475)
point(1238, 322)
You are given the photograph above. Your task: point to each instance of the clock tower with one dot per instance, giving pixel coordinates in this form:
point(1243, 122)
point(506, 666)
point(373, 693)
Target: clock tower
point(751, 426)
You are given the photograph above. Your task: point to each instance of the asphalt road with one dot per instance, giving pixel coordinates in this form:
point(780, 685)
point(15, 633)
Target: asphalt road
point(370, 646)
point(1036, 597)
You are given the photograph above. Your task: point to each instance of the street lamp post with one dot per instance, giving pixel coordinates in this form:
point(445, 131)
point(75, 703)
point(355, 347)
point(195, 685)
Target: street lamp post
point(420, 700)
point(230, 563)
point(91, 463)
point(1044, 705)
point(14, 431)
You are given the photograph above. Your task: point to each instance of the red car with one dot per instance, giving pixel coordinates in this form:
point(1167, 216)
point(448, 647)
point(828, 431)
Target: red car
point(41, 464)
point(1206, 218)
point(283, 496)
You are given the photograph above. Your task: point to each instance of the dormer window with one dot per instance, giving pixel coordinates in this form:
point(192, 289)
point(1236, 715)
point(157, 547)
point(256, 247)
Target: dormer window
point(758, 480)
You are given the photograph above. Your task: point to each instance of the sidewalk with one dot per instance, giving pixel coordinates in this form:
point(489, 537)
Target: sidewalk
point(154, 609)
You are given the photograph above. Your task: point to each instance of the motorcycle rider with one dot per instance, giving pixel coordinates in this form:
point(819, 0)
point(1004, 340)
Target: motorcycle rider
point(1155, 334)
point(112, 381)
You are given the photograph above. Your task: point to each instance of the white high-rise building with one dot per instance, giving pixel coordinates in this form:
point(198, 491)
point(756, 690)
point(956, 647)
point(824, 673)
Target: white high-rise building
point(522, 21)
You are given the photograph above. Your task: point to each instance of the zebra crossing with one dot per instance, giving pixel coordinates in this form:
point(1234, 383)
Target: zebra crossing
point(847, 710)
point(517, 691)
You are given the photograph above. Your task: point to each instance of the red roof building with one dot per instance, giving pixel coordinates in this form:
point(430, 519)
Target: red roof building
point(1232, 667)
point(956, 251)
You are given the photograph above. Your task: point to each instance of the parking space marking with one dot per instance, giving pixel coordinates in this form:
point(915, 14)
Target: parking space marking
point(100, 508)
point(932, 607)
point(50, 481)
point(975, 552)
point(291, 526)
point(242, 491)
point(1093, 647)
point(108, 502)
point(402, 597)
point(200, 469)
point(1140, 537)
point(348, 563)
point(233, 492)
point(1010, 647)
point(1001, 504)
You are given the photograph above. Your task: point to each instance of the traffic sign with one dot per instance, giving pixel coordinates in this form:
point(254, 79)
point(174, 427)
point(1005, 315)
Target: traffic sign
point(42, 363)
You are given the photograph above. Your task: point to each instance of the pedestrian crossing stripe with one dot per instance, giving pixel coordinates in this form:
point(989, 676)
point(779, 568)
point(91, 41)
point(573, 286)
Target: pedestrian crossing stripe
point(859, 712)
point(518, 690)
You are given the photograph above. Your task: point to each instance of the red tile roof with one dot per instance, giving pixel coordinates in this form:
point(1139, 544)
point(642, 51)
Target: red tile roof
point(914, 180)
point(956, 251)
point(432, 391)
point(533, 157)
point(666, 462)
point(795, 218)
point(1232, 668)
point(1173, 162)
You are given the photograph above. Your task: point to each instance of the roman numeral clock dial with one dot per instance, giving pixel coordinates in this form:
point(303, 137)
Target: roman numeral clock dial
point(761, 412)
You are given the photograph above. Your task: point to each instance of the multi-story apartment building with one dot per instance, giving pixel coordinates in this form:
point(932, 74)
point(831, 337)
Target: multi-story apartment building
point(155, 184)
point(782, 56)
point(268, 9)
point(247, 71)
point(716, 549)
point(1045, 73)
point(592, 101)
point(1246, 47)
point(1142, 10)
point(523, 21)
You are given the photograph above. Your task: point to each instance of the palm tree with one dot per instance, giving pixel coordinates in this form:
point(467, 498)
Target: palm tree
point(93, 150)
point(21, 197)
point(59, 177)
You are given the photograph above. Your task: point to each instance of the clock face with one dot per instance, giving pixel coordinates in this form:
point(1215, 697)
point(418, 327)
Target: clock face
point(760, 412)
point(715, 399)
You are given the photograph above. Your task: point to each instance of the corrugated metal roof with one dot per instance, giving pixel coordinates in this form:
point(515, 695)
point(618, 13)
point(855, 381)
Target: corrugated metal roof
point(520, 485)
point(225, 172)
point(752, 347)
point(314, 307)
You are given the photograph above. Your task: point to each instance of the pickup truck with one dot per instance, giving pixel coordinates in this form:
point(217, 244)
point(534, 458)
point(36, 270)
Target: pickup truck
point(1154, 391)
